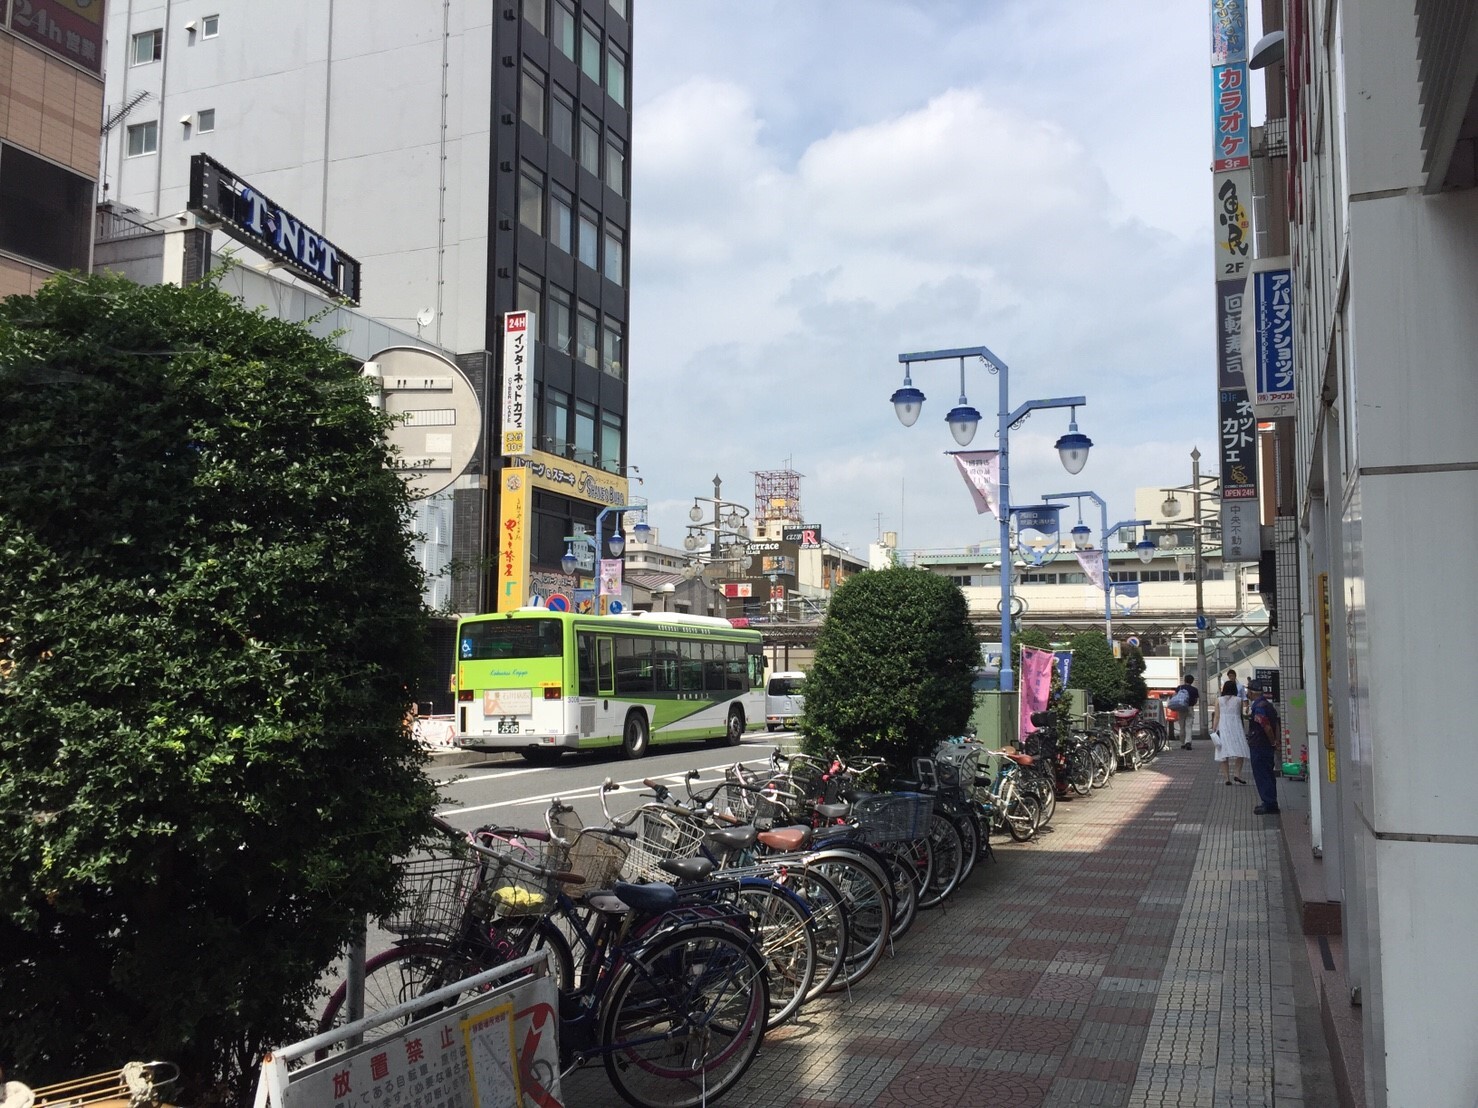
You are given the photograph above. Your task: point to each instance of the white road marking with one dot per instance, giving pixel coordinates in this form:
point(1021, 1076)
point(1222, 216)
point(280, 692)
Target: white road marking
point(577, 793)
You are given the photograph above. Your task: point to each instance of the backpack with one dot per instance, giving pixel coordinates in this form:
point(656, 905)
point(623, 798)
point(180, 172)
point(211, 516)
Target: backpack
point(1180, 700)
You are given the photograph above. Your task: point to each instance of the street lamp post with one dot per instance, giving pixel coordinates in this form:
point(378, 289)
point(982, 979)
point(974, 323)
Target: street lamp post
point(963, 420)
point(1144, 548)
point(730, 521)
point(617, 541)
point(1172, 507)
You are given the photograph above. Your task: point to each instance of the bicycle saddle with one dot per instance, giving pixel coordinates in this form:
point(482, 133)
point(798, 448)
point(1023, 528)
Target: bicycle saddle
point(687, 869)
point(786, 839)
point(642, 899)
point(729, 839)
point(832, 811)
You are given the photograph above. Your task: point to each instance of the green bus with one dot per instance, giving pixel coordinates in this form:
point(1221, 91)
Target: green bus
point(542, 682)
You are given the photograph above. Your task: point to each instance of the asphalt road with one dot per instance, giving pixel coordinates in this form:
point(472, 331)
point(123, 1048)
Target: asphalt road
point(512, 793)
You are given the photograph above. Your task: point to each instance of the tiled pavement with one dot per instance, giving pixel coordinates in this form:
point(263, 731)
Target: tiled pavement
point(1137, 955)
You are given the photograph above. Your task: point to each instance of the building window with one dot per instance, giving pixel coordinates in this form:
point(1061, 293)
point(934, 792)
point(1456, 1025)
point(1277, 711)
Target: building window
point(47, 210)
point(531, 200)
point(206, 120)
point(612, 347)
point(610, 442)
point(562, 218)
point(533, 14)
point(143, 138)
point(619, 7)
point(562, 121)
point(615, 255)
point(585, 432)
point(590, 50)
point(563, 17)
point(616, 75)
point(615, 165)
point(148, 46)
point(590, 143)
point(210, 26)
point(586, 349)
point(589, 237)
point(556, 421)
point(561, 320)
point(530, 295)
point(531, 95)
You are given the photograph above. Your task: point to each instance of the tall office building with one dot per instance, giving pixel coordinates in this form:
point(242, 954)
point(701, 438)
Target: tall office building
point(51, 97)
point(473, 158)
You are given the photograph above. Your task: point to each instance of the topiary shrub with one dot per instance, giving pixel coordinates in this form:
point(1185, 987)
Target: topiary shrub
point(893, 670)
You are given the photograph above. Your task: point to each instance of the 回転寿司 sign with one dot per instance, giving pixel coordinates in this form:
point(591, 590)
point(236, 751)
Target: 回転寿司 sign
point(250, 217)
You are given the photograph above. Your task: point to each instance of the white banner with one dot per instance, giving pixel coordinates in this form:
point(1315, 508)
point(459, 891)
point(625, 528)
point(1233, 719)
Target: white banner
point(518, 376)
point(981, 470)
point(1092, 563)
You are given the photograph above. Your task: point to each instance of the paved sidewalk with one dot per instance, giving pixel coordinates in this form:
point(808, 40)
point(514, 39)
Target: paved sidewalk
point(1137, 955)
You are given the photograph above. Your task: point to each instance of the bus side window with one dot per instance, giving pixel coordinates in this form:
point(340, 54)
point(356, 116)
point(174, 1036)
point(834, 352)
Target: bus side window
point(756, 670)
point(692, 667)
point(734, 667)
point(585, 646)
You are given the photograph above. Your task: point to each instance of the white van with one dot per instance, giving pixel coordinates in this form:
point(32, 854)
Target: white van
point(785, 699)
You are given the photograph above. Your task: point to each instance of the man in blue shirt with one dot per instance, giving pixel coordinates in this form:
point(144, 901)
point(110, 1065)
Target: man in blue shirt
point(1192, 695)
point(1264, 733)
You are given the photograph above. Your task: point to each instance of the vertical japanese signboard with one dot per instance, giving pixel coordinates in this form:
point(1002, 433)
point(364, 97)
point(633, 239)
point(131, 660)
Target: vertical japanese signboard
point(518, 370)
point(513, 540)
point(1233, 235)
point(1273, 391)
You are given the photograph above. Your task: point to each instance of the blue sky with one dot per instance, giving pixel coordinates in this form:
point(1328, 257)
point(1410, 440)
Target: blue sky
point(819, 186)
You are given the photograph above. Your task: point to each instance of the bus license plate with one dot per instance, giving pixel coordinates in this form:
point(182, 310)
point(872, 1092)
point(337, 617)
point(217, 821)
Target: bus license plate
point(508, 727)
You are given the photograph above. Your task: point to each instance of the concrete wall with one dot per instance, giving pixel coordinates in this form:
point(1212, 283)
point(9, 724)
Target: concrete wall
point(1387, 463)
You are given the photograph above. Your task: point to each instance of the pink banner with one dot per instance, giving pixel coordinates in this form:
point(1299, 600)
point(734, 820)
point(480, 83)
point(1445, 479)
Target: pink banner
point(1036, 687)
point(982, 473)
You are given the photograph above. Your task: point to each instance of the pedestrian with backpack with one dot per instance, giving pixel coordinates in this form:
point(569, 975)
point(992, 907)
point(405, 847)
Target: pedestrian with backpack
point(1183, 702)
point(1264, 732)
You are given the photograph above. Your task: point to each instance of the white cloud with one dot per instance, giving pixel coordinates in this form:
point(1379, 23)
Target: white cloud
point(782, 257)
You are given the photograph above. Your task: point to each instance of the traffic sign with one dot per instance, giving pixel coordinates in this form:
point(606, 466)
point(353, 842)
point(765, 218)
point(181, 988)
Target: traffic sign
point(615, 607)
point(1200, 623)
point(558, 602)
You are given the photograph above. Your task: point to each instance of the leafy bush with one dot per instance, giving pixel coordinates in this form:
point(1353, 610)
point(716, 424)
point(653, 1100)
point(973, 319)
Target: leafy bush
point(1136, 691)
point(208, 616)
point(893, 670)
point(1096, 669)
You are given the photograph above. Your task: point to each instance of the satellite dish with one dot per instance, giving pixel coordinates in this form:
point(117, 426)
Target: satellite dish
point(425, 316)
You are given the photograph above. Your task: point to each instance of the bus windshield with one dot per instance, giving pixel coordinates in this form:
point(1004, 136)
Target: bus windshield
point(504, 639)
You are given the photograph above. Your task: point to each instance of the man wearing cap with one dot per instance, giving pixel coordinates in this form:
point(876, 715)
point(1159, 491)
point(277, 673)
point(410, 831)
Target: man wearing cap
point(1264, 732)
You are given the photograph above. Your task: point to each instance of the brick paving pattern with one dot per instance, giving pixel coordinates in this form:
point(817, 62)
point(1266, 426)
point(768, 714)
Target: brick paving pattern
point(1125, 958)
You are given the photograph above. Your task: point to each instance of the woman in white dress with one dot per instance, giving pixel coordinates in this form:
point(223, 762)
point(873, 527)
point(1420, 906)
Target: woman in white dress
point(1227, 723)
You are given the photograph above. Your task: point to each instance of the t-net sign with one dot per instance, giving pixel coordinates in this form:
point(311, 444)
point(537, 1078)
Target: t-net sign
point(805, 535)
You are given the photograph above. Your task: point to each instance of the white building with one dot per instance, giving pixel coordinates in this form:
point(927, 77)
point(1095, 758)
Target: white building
point(1384, 226)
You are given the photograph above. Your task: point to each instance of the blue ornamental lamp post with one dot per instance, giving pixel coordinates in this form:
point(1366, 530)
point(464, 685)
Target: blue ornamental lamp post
point(1144, 549)
point(963, 420)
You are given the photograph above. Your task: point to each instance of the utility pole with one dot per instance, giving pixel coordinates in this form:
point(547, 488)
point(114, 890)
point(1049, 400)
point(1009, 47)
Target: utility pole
point(1203, 730)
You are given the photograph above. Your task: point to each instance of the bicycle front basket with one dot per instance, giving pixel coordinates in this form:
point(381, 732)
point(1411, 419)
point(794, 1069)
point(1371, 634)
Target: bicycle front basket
point(892, 817)
point(433, 896)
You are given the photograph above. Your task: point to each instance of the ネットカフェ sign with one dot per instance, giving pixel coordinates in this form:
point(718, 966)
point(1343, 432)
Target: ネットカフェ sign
point(251, 217)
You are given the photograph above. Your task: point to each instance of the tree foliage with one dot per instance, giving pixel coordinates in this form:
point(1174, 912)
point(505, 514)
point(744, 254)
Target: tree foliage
point(1136, 690)
point(894, 668)
point(208, 616)
point(1096, 669)
point(1028, 636)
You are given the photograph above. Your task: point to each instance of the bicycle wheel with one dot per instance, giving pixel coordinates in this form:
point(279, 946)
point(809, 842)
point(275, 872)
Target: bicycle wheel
point(829, 922)
point(1023, 816)
point(1103, 763)
point(684, 1017)
point(395, 976)
point(869, 906)
point(1144, 743)
point(910, 865)
point(780, 922)
point(949, 860)
point(968, 824)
